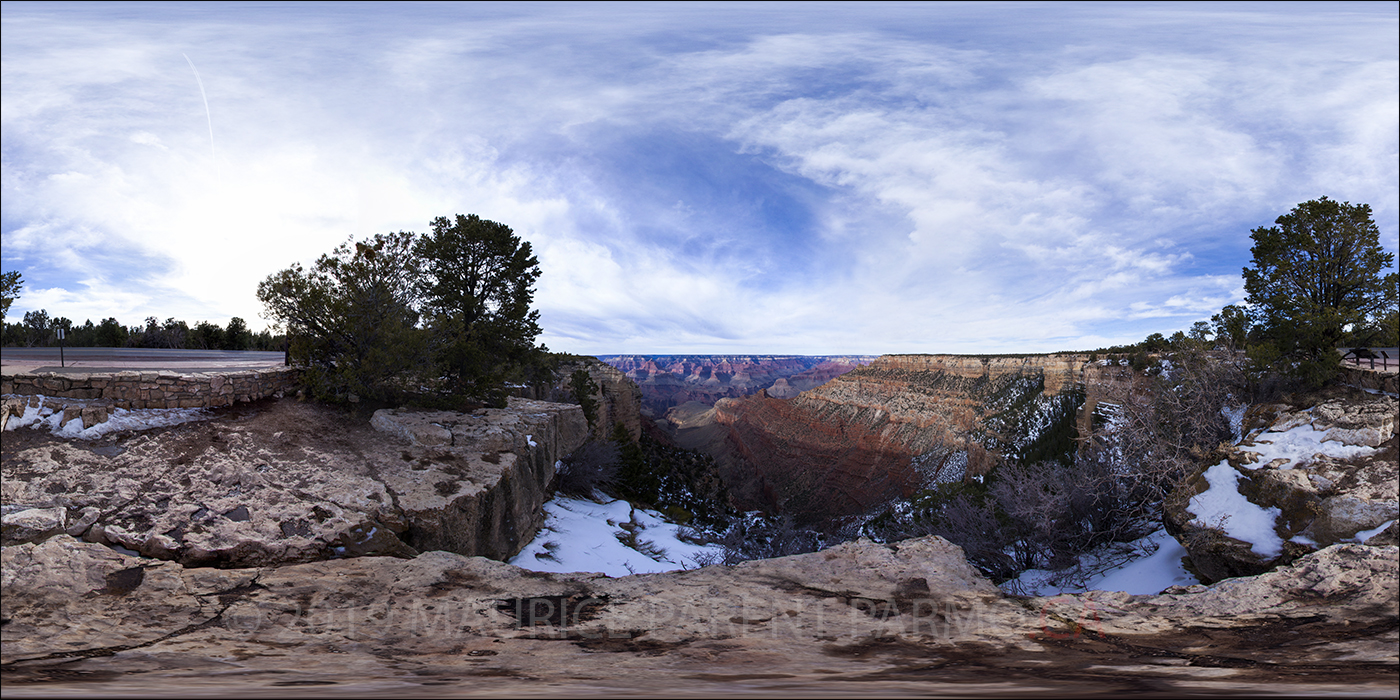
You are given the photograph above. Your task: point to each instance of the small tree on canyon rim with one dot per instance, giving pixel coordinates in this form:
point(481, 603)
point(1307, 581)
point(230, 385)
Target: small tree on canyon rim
point(584, 388)
point(477, 285)
point(1316, 276)
point(351, 317)
point(398, 311)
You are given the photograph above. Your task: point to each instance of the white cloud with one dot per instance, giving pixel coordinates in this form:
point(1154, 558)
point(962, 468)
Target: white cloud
point(985, 189)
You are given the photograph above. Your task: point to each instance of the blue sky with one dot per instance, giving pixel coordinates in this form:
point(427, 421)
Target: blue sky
point(703, 178)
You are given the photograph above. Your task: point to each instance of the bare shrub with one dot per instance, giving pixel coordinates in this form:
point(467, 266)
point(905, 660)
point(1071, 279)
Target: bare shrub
point(592, 467)
point(971, 524)
point(703, 559)
point(756, 536)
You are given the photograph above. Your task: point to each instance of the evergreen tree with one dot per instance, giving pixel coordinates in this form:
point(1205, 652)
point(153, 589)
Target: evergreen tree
point(1316, 275)
point(636, 479)
point(584, 388)
point(111, 333)
point(478, 283)
point(236, 336)
point(351, 318)
point(37, 327)
point(10, 285)
point(206, 336)
point(1231, 327)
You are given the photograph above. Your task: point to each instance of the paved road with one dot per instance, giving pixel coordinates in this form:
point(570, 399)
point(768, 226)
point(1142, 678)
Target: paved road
point(85, 360)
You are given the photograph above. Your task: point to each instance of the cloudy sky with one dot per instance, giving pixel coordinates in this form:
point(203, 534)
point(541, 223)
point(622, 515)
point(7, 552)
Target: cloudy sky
point(784, 178)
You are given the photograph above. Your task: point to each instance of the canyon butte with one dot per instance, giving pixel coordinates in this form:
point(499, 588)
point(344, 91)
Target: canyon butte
point(281, 546)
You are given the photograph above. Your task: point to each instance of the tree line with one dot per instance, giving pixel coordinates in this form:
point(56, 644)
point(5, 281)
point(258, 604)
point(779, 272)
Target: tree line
point(38, 329)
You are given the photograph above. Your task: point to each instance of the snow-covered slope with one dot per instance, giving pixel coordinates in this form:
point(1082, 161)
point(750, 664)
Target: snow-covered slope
point(610, 537)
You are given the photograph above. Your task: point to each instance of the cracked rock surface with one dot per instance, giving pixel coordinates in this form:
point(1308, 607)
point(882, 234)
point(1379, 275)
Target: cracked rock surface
point(280, 481)
point(912, 618)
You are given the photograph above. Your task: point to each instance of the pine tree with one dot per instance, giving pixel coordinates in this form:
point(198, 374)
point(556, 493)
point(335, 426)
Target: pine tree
point(477, 286)
point(1316, 275)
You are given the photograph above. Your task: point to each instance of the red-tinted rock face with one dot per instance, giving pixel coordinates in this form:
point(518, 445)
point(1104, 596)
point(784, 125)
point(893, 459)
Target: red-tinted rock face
point(671, 380)
point(853, 442)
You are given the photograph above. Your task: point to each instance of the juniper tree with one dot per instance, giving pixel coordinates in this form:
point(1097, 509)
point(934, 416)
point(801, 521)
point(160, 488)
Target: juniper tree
point(477, 285)
point(351, 318)
point(10, 285)
point(1317, 274)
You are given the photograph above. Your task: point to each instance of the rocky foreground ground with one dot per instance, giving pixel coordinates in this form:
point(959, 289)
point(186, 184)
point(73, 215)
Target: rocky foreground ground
point(861, 618)
point(116, 595)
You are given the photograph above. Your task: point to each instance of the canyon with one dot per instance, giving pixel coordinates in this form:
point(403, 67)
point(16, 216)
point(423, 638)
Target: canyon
point(667, 381)
point(900, 424)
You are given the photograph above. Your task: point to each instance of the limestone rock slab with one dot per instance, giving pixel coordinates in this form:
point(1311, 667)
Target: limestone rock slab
point(23, 524)
point(286, 482)
point(861, 618)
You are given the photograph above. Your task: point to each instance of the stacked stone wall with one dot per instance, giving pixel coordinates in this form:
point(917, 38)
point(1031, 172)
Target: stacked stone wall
point(131, 390)
point(1365, 378)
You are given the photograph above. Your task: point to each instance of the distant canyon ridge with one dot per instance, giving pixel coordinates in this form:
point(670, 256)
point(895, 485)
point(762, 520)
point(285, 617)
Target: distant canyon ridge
point(669, 381)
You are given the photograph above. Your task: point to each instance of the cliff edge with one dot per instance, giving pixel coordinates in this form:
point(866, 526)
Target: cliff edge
point(280, 481)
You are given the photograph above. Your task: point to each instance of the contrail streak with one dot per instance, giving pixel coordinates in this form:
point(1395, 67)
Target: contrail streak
point(207, 115)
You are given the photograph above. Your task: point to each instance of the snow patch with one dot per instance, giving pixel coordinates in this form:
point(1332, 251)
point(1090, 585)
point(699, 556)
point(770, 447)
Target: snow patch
point(1368, 534)
point(118, 419)
point(582, 535)
point(1151, 573)
point(1223, 506)
point(1298, 444)
point(1236, 417)
point(1378, 392)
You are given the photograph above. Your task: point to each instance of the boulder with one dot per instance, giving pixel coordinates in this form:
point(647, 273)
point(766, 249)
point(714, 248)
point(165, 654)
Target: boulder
point(28, 524)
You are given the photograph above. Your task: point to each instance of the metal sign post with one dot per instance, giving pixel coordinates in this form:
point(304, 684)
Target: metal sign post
point(60, 347)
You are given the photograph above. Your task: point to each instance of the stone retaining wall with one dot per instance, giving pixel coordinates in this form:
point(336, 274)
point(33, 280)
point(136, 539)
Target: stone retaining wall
point(1388, 382)
point(131, 390)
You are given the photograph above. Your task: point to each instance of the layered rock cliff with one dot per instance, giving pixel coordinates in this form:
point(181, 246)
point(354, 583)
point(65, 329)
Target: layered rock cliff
point(902, 423)
point(618, 398)
point(672, 380)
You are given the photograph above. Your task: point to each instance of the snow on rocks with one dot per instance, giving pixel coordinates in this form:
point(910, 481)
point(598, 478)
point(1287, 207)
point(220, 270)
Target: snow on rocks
point(1223, 506)
point(1153, 564)
point(1304, 479)
point(89, 420)
point(612, 538)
